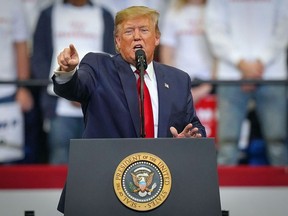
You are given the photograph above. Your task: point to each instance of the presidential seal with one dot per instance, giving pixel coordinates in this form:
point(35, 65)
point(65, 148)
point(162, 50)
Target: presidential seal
point(142, 181)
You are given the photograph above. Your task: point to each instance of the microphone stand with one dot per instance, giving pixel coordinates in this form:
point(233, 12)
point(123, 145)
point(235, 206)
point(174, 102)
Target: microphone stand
point(141, 77)
point(141, 66)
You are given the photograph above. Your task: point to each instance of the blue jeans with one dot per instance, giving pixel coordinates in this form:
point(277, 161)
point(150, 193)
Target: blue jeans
point(271, 109)
point(62, 130)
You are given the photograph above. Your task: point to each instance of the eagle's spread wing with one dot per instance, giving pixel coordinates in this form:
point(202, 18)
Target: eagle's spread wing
point(149, 179)
point(135, 180)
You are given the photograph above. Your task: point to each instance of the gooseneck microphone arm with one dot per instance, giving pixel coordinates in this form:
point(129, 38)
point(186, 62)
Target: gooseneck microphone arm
point(141, 66)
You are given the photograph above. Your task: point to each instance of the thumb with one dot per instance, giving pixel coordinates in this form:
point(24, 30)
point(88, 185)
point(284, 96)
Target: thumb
point(174, 131)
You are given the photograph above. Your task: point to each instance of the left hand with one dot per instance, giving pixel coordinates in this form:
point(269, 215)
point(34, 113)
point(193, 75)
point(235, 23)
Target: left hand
point(25, 99)
point(250, 70)
point(188, 132)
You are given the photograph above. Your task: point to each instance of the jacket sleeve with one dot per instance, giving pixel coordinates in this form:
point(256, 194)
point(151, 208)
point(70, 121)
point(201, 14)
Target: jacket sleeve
point(279, 40)
point(42, 46)
point(108, 37)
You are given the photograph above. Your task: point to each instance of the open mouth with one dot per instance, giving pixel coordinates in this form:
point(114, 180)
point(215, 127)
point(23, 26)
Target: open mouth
point(137, 47)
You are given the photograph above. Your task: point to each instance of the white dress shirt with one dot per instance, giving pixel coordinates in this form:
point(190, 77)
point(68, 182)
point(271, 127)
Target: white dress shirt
point(151, 83)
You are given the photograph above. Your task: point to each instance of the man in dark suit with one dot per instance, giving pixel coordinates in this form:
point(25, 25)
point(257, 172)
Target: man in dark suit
point(106, 87)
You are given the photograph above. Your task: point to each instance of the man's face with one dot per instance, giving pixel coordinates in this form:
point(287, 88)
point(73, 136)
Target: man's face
point(137, 34)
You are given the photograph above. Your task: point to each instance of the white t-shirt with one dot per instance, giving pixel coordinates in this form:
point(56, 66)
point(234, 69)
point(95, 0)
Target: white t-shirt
point(248, 30)
point(32, 10)
point(184, 31)
point(81, 26)
point(13, 29)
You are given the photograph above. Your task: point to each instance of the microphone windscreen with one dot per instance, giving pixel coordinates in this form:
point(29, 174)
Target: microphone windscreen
point(140, 58)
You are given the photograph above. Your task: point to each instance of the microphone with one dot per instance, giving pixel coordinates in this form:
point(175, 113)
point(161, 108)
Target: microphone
point(140, 58)
point(141, 66)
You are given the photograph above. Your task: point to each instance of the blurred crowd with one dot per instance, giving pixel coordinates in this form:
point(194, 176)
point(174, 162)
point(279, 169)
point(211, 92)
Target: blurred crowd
point(211, 40)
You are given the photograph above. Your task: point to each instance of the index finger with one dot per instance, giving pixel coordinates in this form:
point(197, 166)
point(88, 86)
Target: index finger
point(72, 49)
point(187, 128)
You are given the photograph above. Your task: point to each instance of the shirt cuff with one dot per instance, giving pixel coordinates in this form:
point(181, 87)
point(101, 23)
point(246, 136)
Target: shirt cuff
point(62, 77)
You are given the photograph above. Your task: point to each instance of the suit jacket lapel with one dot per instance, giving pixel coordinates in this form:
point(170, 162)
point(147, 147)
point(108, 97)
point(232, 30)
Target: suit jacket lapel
point(128, 81)
point(163, 85)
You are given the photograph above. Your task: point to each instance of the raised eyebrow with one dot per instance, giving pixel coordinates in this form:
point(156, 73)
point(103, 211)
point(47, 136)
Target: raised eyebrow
point(134, 27)
point(129, 28)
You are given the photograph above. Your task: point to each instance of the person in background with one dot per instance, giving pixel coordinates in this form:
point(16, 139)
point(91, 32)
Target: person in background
point(249, 38)
point(106, 86)
point(35, 138)
point(160, 5)
point(32, 10)
point(14, 66)
point(90, 28)
point(115, 5)
point(185, 46)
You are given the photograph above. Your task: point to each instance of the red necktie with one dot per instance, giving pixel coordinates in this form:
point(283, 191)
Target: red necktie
point(148, 112)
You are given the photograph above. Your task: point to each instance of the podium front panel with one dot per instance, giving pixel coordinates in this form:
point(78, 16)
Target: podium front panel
point(192, 164)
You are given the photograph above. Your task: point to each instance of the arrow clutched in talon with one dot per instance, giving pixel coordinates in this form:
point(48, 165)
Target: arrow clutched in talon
point(152, 188)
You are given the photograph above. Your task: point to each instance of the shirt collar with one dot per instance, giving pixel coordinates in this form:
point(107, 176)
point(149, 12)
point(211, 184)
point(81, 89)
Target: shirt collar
point(150, 70)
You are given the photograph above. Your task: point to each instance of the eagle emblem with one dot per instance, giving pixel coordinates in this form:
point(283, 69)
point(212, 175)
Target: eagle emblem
point(142, 180)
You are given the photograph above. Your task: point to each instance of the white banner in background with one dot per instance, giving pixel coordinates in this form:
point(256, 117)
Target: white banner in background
point(11, 132)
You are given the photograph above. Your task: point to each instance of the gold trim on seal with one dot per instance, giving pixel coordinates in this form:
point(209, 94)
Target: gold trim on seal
point(153, 201)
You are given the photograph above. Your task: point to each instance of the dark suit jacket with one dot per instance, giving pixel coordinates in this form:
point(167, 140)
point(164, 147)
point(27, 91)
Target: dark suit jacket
point(106, 88)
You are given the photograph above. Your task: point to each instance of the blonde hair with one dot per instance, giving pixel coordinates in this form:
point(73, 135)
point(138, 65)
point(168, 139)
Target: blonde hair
point(135, 12)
